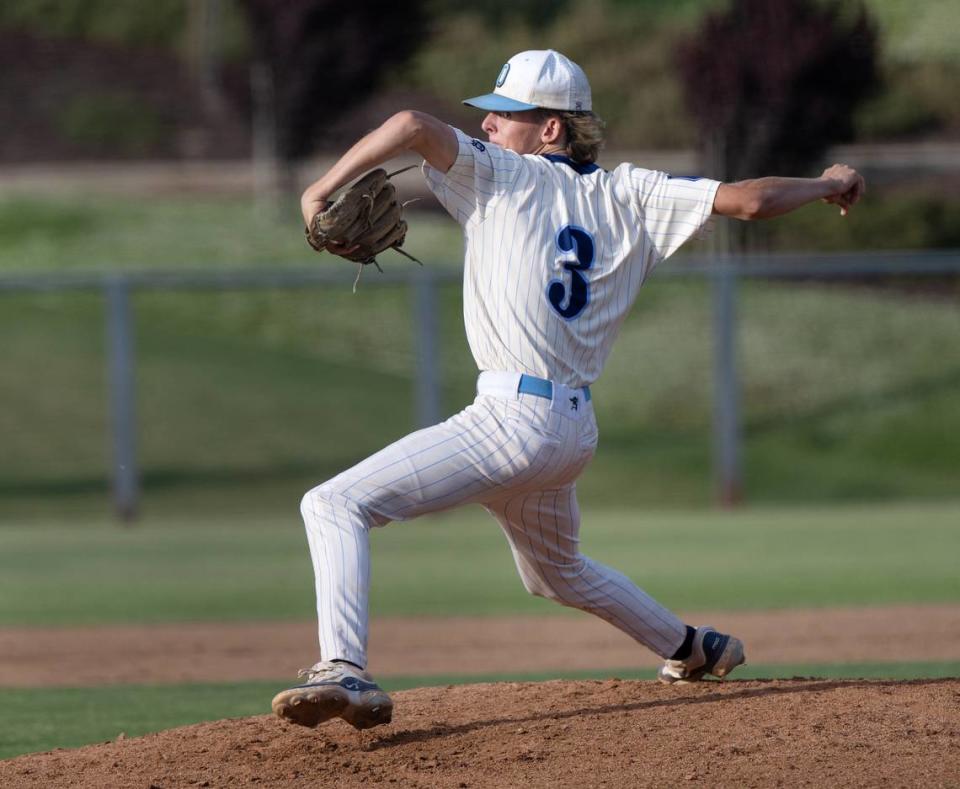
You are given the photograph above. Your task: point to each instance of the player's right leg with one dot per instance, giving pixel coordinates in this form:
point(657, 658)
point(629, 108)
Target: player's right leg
point(543, 527)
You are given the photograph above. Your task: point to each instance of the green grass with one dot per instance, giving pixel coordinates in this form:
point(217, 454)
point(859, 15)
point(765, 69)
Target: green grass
point(247, 399)
point(179, 232)
point(458, 564)
point(38, 719)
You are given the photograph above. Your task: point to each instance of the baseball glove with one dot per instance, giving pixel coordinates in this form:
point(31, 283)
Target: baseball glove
point(366, 219)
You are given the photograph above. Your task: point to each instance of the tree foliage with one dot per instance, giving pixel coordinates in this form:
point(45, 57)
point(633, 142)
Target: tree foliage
point(624, 47)
point(155, 23)
point(772, 85)
point(497, 13)
point(326, 56)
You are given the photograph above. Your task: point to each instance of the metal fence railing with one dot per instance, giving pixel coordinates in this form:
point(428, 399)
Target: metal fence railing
point(723, 273)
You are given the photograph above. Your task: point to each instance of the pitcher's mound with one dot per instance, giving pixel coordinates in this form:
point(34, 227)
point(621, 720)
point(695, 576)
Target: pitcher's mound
point(612, 733)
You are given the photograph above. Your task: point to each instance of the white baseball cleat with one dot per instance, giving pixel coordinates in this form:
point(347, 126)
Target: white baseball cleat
point(334, 690)
point(712, 653)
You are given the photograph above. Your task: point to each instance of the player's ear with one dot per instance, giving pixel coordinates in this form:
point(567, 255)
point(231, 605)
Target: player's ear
point(552, 130)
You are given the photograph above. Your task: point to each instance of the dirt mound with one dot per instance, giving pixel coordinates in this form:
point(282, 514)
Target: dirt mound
point(612, 733)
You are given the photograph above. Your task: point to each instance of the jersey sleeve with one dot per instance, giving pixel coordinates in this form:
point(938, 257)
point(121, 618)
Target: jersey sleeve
point(482, 173)
point(673, 209)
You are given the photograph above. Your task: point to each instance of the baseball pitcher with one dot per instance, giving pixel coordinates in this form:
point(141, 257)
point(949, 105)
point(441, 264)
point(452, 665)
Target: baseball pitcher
point(556, 252)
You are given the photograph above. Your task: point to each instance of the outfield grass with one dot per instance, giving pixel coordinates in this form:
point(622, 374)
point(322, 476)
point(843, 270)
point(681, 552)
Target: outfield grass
point(459, 564)
point(176, 232)
point(38, 719)
point(246, 399)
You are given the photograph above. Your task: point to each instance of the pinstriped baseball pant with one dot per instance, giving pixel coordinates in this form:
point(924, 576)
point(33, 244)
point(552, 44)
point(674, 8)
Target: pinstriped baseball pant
point(518, 455)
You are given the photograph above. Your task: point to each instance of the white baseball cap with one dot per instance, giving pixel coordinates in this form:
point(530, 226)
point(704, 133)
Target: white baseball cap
point(537, 78)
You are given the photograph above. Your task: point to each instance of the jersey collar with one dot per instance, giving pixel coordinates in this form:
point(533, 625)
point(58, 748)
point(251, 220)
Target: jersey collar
point(581, 169)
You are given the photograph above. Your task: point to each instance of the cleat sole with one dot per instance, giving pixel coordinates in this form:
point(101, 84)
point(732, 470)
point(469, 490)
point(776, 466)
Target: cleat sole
point(313, 707)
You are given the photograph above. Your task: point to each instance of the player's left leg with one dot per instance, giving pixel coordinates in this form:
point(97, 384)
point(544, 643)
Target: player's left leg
point(456, 462)
point(492, 445)
point(543, 529)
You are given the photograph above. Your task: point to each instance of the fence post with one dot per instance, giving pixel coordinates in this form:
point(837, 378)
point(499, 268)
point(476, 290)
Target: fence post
point(427, 387)
point(726, 397)
point(121, 366)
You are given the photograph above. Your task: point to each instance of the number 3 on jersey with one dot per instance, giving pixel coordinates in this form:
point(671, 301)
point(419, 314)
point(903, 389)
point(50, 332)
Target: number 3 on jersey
point(569, 304)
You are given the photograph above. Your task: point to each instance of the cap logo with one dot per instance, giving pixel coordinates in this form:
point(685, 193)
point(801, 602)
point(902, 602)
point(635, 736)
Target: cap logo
point(579, 106)
point(502, 76)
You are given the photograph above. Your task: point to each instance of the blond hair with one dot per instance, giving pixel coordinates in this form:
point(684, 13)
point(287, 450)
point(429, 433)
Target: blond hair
point(583, 132)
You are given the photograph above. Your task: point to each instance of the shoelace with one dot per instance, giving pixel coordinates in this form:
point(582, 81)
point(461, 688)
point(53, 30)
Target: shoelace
point(676, 665)
point(313, 672)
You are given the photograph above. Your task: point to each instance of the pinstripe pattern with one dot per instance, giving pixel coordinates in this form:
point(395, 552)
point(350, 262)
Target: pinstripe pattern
point(494, 445)
point(518, 455)
point(511, 208)
point(543, 531)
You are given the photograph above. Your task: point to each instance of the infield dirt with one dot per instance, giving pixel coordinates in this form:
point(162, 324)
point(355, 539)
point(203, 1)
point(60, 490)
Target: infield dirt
point(465, 646)
point(611, 733)
point(559, 734)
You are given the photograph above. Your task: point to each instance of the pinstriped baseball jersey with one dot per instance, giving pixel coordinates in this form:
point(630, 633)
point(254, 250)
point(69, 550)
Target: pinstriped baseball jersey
point(556, 252)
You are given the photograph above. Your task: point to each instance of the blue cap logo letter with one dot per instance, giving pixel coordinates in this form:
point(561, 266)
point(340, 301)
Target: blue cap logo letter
point(502, 76)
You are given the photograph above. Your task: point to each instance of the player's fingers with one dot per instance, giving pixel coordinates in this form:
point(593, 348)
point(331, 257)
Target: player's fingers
point(311, 208)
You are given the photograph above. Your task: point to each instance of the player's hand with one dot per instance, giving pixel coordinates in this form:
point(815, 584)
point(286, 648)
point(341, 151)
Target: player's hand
point(848, 186)
point(310, 207)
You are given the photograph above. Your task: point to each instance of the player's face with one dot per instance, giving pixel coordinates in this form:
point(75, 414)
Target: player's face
point(516, 131)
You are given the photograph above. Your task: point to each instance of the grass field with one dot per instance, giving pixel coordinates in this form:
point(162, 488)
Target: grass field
point(247, 398)
point(91, 572)
point(254, 568)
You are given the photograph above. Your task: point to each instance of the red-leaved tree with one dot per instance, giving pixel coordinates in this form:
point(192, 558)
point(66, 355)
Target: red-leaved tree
point(773, 84)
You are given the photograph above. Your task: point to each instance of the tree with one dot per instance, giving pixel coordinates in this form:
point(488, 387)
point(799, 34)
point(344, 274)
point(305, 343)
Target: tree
point(773, 85)
point(321, 57)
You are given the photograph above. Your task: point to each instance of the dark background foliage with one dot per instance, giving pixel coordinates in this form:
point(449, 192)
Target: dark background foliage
point(773, 85)
point(317, 73)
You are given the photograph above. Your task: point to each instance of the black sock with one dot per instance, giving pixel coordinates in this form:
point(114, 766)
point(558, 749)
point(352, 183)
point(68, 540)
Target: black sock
point(686, 647)
point(348, 662)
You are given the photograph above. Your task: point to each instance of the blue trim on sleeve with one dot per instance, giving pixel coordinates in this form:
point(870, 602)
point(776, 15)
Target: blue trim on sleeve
point(685, 177)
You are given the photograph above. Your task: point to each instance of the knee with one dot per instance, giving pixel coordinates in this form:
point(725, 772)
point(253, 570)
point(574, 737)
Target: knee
point(535, 585)
point(312, 501)
point(320, 503)
point(555, 582)
point(328, 504)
